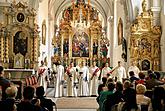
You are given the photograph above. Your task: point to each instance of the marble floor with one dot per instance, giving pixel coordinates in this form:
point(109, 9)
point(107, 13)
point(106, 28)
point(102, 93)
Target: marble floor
point(72, 103)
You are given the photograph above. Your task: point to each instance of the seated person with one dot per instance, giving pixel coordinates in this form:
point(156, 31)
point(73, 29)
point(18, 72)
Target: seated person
point(45, 103)
point(152, 82)
point(26, 104)
point(115, 98)
point(129, 97)
point(132, 77)
point(101, 86)
point(142, 78)
point(141, 98)
point(9, 103)
point(104, 94)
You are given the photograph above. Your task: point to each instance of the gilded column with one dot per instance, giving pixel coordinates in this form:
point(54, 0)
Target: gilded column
point(32, 52)
point(62, 48)
point(36, 51)
point(1, 48)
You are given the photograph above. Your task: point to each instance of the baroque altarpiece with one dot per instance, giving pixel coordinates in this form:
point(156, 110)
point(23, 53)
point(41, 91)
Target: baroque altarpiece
point(145, 41)
point(19, 39)
point(80, 37)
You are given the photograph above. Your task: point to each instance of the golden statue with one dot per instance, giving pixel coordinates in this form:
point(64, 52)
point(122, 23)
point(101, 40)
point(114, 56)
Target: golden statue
point(144, 6)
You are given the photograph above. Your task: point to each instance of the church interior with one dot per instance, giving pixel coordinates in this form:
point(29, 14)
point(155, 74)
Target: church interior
point(41, 39)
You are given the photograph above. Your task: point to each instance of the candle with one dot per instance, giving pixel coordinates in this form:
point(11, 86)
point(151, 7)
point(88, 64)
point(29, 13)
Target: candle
point(8, 61)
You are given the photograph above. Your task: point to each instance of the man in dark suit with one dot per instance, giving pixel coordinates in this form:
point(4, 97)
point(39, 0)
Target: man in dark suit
point(152, 82)
point(26, 104)
point(115, 98)
point(45, 103)
point(4, 83)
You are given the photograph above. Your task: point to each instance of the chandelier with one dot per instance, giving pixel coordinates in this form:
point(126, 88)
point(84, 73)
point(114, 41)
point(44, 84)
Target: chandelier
point(81, 15)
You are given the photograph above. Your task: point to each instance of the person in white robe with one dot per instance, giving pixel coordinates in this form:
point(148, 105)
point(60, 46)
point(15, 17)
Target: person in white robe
point(84, 80)
point(94, 75)
point(106, 71)
point(71, 79)
point(42, 75)
point(59, 80)
point(135, 69)
point(120, 72)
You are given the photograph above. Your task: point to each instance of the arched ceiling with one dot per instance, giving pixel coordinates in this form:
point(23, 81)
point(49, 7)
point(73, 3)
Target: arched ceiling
point(104, 6)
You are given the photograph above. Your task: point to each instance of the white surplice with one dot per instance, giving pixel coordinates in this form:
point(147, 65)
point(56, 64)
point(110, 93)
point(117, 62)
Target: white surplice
point(120, 73)
point(42, 73)
point(105, 71)
point(94, 75)
point(84, 82)
point(70, 82)
point(59, 80)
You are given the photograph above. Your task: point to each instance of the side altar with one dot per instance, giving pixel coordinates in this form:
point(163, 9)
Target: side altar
point(79, 36)
point(145, 41)
point(19, 40)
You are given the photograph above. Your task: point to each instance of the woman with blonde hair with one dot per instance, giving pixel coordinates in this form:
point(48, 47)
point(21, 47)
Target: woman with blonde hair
point(141, 99)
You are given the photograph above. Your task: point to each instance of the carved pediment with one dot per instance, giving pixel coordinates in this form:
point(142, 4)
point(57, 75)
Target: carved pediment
point(20, 5)
point(142, 23)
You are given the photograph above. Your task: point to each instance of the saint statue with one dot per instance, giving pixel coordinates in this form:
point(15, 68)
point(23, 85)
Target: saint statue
point(95, 48)
point(104, 50)
point(144, 6)
point(66, 47)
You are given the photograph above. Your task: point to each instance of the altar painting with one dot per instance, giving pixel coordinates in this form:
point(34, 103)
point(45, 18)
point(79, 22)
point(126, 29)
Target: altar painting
point(20, 43)
point(80, 45)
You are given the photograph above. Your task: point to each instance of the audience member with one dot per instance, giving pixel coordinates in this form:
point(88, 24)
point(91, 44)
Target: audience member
point(102, 86)
point(115, 98)
point(9, 103)
point(4, 83)
point(142, 79)
point(158, 99)
point(141, 99)
point(45, 103)
point(104, 95)
point(129, 96)
point(132, 77)
point(152, 82)
point(25, 104)
point(148, 73)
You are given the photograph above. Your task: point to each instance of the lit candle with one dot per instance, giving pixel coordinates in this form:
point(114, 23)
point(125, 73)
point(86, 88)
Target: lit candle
point(25, 61)
point(8, 61)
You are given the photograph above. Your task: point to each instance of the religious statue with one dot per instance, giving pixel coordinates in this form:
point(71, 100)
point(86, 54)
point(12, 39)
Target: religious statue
point(144, 4)
point(120, 31)
point(66, 47)
point(95, 48)
point(104, 50)
point(56, 49)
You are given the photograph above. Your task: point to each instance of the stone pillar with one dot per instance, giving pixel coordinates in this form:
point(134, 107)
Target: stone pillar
point(114, 42)
point(156, 12)
point(50, 36)
point(110, 37)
